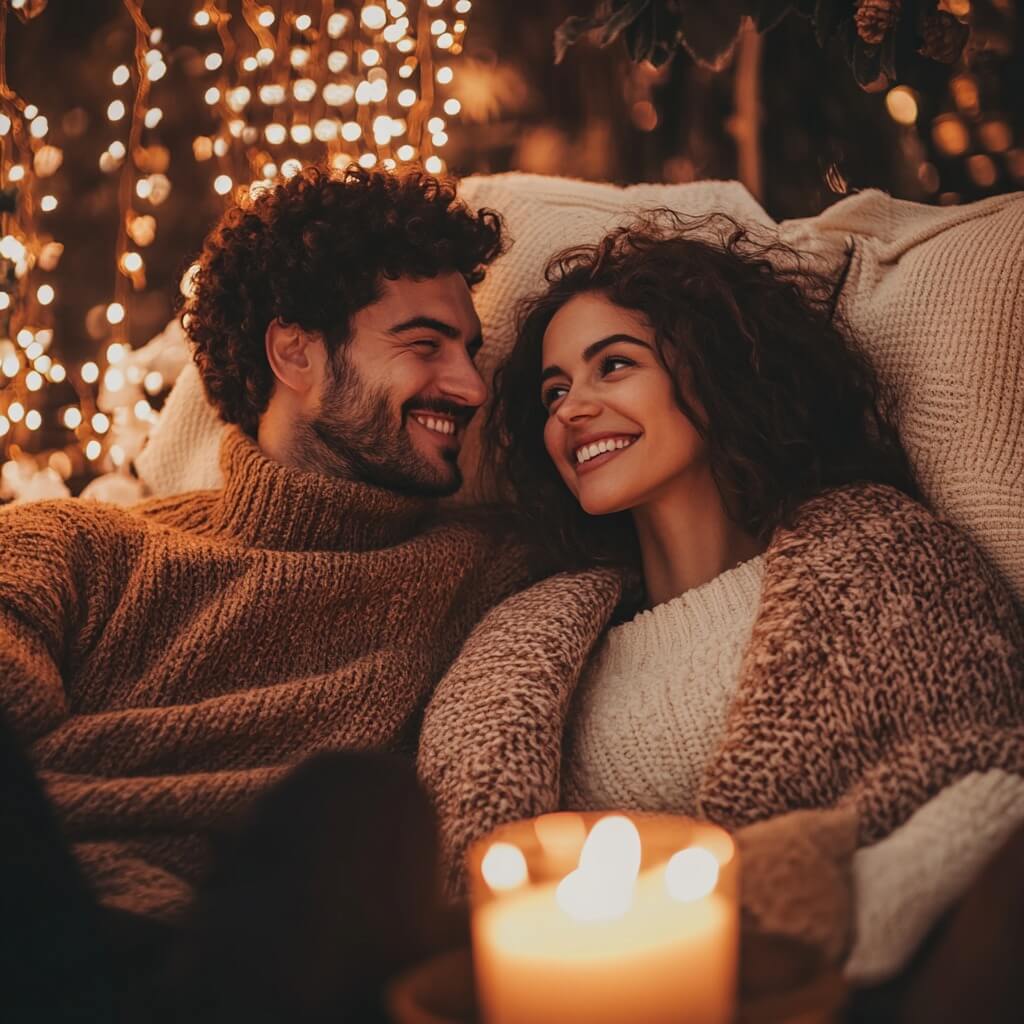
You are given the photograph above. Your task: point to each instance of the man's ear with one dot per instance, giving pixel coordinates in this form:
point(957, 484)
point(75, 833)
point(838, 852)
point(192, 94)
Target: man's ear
point(293, 355)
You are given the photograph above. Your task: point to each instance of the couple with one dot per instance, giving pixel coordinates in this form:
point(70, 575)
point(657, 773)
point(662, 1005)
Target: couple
point(699, 459)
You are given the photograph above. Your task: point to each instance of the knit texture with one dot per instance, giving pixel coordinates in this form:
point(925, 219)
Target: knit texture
point(885, 663)
point(905, 882)
point(936, 296)
point(165, 663)
point(651, 711)
point(651, 707)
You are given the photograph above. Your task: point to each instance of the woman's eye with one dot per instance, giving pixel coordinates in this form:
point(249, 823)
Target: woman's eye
point(613, 363)
point(551, 395)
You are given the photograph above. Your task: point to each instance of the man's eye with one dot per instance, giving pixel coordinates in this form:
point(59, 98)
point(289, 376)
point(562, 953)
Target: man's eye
point(427, 344)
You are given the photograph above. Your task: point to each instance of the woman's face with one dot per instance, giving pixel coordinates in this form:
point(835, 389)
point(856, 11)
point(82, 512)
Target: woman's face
point(614, 429)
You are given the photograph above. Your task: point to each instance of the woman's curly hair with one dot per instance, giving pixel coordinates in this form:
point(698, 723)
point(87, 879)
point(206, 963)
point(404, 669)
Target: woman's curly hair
point(313, 251)
point(791, 406)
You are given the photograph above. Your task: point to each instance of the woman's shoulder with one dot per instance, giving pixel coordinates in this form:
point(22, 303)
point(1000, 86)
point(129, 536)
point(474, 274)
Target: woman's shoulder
point(874, 538)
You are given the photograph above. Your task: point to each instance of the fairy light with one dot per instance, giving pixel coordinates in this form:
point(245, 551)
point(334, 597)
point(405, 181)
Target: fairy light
point(372, 75)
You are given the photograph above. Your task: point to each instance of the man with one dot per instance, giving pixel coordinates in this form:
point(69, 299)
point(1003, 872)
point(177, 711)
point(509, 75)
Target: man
point(163, 664)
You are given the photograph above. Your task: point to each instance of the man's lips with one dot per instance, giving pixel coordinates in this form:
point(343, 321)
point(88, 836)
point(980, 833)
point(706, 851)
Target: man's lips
point(453, 435)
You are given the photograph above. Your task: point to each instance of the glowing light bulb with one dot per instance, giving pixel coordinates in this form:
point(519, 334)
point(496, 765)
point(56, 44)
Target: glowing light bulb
point(39, 127)
point(336, 25)
point(367, 160)
point(299, 57)
point(250, 64)
point(57, 373)
point(370, 57)
point(291, 167)
point(115, 313)
point(406, 152)
point(121, 74)
point(16, 412)
point(337, 61)
point(275, 133)
point(153, 117)
point(116, 149)
point(445, 41)
point(201, 18)
point(33, 380)
point(45, 294)
point(5, 124)
point(265, 57)
point(374, 17)
point(156, 71)
point(213, 61)
point(131, 261)
point(266, 18)
point(452, 106)
point(212, 95)
point(302, 133)
point(445, 75)
point(304, 89)
point(72, 417)
point(303, 22)
point(100, 423)
point(33, 420)
point(438, 26)
point(350, 131)
point(222, 184)
point(407, 97)
point(48, 203)
point(434, 164)
point(90, 372)
point(153, 382)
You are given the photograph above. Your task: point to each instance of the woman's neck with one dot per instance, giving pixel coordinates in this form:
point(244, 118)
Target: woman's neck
point(687, 538)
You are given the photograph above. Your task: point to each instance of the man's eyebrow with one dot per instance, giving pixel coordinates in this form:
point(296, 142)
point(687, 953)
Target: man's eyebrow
point(593, 349)
point(427, 322)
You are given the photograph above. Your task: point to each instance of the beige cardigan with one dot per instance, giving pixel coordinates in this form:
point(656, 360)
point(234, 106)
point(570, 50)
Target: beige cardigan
point(886, 662)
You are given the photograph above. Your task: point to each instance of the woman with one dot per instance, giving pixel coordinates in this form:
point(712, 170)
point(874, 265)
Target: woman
point(811, 659)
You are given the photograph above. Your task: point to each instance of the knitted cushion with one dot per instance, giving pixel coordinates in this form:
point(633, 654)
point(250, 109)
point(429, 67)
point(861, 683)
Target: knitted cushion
point(936, 295)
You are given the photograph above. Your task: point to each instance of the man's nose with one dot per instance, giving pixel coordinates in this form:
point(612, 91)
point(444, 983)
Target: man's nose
point(462, 382)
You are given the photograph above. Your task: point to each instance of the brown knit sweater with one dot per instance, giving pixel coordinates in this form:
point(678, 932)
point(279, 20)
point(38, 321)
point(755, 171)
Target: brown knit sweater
point(886, 662)
point(164, 663)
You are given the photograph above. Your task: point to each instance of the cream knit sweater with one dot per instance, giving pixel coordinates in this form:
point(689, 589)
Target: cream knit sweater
point(651, 707)
point(651, 710)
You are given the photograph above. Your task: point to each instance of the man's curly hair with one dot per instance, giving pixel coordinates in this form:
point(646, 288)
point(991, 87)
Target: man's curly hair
point(313, 251)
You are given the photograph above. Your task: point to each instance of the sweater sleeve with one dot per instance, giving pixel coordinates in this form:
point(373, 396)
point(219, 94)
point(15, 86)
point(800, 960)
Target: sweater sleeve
point(905, 882)
point(41, 603)
point(490, 745)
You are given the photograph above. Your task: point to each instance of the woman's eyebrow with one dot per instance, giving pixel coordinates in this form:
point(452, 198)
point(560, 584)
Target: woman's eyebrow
point(593, 349)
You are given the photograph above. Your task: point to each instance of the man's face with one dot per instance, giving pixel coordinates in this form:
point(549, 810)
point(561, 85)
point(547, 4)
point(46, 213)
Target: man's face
point(394, 411)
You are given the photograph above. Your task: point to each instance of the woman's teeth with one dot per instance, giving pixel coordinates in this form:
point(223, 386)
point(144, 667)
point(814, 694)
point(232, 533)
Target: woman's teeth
point(441, 426)
point(591, 451)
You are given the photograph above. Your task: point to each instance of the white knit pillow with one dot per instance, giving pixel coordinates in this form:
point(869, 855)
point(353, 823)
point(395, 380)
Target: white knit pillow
point(543, 215)
point(936, 295)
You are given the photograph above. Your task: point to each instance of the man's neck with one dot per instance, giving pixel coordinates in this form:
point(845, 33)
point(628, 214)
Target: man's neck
point(687, 538)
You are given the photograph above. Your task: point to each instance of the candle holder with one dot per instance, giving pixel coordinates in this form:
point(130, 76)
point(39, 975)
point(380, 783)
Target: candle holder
point(599, 918)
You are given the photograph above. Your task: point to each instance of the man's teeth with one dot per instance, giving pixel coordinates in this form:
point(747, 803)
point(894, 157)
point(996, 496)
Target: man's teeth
point(590, 451)
point(441, 426)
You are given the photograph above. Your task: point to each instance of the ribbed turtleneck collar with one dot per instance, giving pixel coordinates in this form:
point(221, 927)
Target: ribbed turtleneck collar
point(268, 505)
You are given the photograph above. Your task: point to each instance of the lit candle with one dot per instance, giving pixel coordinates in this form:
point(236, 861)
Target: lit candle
point(633, 919)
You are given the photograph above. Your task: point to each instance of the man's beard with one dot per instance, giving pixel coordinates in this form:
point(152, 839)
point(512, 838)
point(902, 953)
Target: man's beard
point(354, 437)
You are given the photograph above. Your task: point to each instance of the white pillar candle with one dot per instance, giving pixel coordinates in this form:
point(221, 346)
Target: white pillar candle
point(643, 926)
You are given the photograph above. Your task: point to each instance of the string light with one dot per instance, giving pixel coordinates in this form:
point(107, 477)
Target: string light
point(352, 61)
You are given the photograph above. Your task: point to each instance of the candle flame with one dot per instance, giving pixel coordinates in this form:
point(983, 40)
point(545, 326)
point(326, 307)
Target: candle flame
point(504, 867)
point(691, 874)
point(601, 888)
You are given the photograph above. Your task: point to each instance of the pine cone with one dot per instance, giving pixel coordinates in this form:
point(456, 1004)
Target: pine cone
point(944, 37)
point(875, 18)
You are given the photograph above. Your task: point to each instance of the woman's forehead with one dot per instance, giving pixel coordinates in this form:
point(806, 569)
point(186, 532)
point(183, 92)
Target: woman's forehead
point(587, 318)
